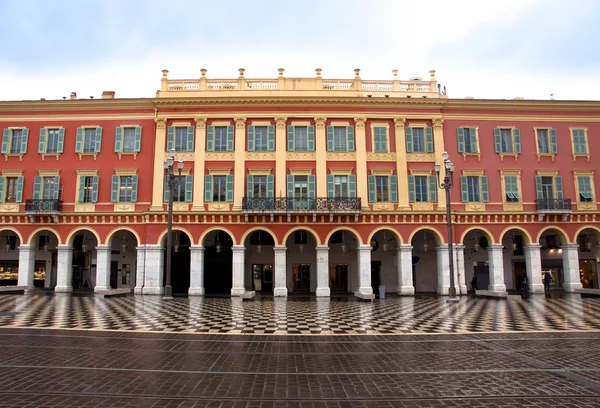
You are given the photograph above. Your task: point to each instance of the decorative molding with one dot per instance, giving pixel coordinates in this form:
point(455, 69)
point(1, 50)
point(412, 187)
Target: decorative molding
point(420, 157)
point(125, 172)
point(260, 155)
point(280, 122)
point(320, 123)
point(510, 172)
point(240, 123)
point(161, 124)
point(550, 173)
point(87, 172)
point(381, 157)
point(121, 154)
point(586, 206)
point(200, 123)
point(515, 155)
point(473, 172)
point(48, 173)
point(301, 172)
point(422, 206)
point(218, 206)
point(474, 207)
point(124, 207)
point(219, 171)
point(183, 123)
point(260, 172)
point(181, 206)
point(438, 123)
point(360, 122)
point(12, 173)
point(420, 172)
point(512, 206)
point(399, 122)
point(382, 172)
point(382, 206)
point(44, 155)
point(301, 156)
point(465, 155)
point(87, 154)
point(219, 156)
point(86, 207)
point(9, 207)
point(185, 156)
point(6, 156)
point(341, 156)
point(341, 171)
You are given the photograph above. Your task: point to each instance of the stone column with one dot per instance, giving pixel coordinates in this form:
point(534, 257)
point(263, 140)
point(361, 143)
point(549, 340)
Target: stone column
point(240, 163)
point(323, 271)
point(199, 153)
point(153, 280)
point(459, 261)
point(362, 185)
point(280, 288)
point(364, 270)
point(238, 287)
point(438, 147)
point(160, 141)
point(64, 273)
point(196, 270)
point(443, 270)
point(401, 164)
point(405, 277)
point(533, 262)
point(570, 256)
point(321, 156)
point(26, 266)
point(103, 258)
point(496, 268)
point(140, 269)
point(280, 157)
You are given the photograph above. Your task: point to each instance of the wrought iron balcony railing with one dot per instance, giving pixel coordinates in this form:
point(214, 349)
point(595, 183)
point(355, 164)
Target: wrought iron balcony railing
point(43, 206)
point(285, 204)
point(554, 204)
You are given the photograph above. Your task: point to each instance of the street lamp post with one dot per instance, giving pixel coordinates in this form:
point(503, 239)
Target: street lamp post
point(172, 182)
point(446, 184)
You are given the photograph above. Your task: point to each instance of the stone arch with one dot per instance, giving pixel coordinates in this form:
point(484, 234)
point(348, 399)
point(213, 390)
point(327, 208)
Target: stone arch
point(72, 234)
point(212, 229)
point(17, 233)
point(526, 233)
point(355, 232)
point(312, 231)
point(436, 233)
point(110, 235)
point(564, 236)
point(164, 233)
point(591, 227)
point(397, 235)
point(38, 230)
point(487, 232)
point(251, 230)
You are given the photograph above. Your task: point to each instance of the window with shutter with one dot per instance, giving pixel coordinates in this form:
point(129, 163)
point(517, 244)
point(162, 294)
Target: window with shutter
point(219, 140)
point(418, 140)
point(579, 141)
point(543, 141)
point(16, 141)
point(299, 137)
point(585, 188)
point(129, 140)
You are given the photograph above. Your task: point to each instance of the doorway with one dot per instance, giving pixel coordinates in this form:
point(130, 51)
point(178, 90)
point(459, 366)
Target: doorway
point(301, 277)
point(375, 276)
point(338, 277)
point(262, 278)
point(519, 271)
point(114, 274)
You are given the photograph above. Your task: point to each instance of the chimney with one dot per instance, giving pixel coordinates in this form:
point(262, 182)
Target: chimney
point(108, 95)
point(73, 95)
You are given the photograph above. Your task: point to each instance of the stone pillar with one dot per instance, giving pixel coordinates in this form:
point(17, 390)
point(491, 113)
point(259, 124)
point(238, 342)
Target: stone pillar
point(443, 270)
point(160, 142)
point(438, 147)
point(364, 270)
point(199, 153)
point(496, 268)
point(362, 185)
point(140, 269)
point(26, 265)
point(533, 262)
point(153, 280)
point(280, 288)
point(321, 156)
point(196, 270)
point(103, 258)
point(238, 287)
point(323, 271)
point(570, 256)
point(459, 261)
point(240, 163)
point(401, 164)
point(280, 157)
point(64, 273)
point(405, 277)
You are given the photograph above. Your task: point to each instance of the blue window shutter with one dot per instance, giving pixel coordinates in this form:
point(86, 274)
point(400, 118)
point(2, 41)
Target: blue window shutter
point(18, 190)
point(230, 138)
point(42, 142)
point(5, 140)
point(57, 189)
point(138, 139)
point(190, 138)
point(24, 138)
point(229, 181)
point(81, 189)
point(412, 195)
point(94, 189)
point(553, 141)
point(2, 189)
point(460, 132)
point(394, 189)
point(271, 138)
point(409, 139)
point(290, 186)
point(517, 136)
point(372, 190)
point(270, 185)
point(473, 139)
point(538, 187)
point(98, 140)
point(559, 187)
point(210, 139)
point(250, 186)
point(37, 187)
point(208, 188)
point(330, 186)
point(429, 139)
point(189, 188)
point(464, 189)
point(170, 138)
point(61, 140)
point(290, 135)
point(485, 196)
point(432, 189)
point(79, 141)
point(330, 145)
point(251, 138)
point(119, 139)
point(166, 191)
point(497, 140)
point(114, 189)
point(134, 188)
point(352, 185)
point(350, 136)
point(311, 186)
point(310, 143)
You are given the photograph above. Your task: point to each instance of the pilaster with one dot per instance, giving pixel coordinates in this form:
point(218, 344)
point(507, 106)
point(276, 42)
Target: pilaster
point(321, 156)
point(280, 289)
point(280, 157)
point(439, 149)
point(364, 270)
point(240, 163)
point(199, 154)
point(238, 287)
point(443, 270)
point(196, 270)
point(362, 184)
point(496, 268)
point(26, 265)
point(405, 279)
point(64, 272)
point(570, 257)
point(459, 261)
point(533, 263)
point(323, 289)
point(103, 258)
point(140, 269)
point(159, 156)
point(153, 279)
point(401, 164)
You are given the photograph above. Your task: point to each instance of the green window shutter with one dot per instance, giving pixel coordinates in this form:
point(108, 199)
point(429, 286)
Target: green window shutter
point(464, 189)
point(271, 138)
point(352, 185)
point(409, 139)
point(330, 145)
point(553, 141)
point(5, 140)
point(230, 138)
point(510, 185)
point(134, 188)
point(497, 140)
point(330, 186)
point(119, 139)
point(81, 189)
point(251, 138)
point(412, 194)
point(210, 139)
point(114, 189)
point(432, 189)
point(2, 189)
point(311, 186)
point(559, 187)
point(473, 139)
point(290, 135)
point(61, 140)
point(98, 140)
point(166, 190)
point(18, 190)
point(460, 132)
point(290, 186)
point(229, 183)
point(37, 187)
point(429, 139)
point(310, 136)
point(138, 139)
point(270, 185)
point(57, 189)
point(380, 138)
point(581, 181)
point(24, 138)
point(208, 188)
point(189, 188)
point(79, 141)
point(250, 186)
point(394, 189)
point(538, 187)
point(372, 190)
point(485, 196)
point(94, 189)
point(170, 138)
point(190, 138)
point(517, 136)
point(350, 138)
point(42, 142)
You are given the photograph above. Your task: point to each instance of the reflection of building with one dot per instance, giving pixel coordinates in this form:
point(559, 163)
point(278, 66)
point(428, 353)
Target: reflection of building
point(302, 185)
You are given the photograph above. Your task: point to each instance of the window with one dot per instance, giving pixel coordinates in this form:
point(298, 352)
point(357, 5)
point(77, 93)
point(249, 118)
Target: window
point(511, 189)
point(180, 138)
point(584, 184)
point(543, 143)
point(178, 189)
point(340, 186)
point(260, 186)
point(467, 140)
point(49, 187)
point(300, 186)
point(220, 139)
point(421, 189)
point(14, 141)
point(474, 189)
point(261, 138)
point(380, 144)
point(381, 185)
point(129, 140)
point(507, 140)
point(86, 192)
point(579, 141)
point(10, 192)
point(52, 144)
point(51, 141)
point(219, 188)
point(124, 188)
point(340, 138)
point(15, 145)
point(547, 187)
point(383, 189)
point(89, 141)
point(301, 138)
point(419, 139)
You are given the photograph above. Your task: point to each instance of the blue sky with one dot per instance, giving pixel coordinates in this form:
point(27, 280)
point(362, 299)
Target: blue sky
point(503, 49)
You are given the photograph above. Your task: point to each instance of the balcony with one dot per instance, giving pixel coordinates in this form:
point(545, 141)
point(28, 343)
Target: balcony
point(554, 206)
point(43, 207)
point(291, 205)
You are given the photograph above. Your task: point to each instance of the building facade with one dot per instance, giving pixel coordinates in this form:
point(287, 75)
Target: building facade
point(298, 185)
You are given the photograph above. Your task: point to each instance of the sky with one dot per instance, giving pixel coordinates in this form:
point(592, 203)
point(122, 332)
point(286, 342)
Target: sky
point(480, 48)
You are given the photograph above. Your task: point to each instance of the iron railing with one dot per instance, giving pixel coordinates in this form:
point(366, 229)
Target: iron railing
point(41, 206)
point(554, 204)
point(341, 204)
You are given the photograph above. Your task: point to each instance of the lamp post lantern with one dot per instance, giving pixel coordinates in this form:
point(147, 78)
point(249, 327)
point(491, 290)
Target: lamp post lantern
point(446, 184)
point(172, 182)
